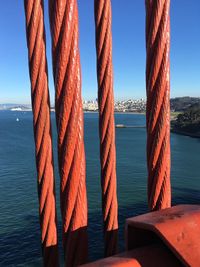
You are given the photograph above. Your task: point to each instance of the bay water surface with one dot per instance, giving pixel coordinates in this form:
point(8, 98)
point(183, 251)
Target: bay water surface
point(19, 222)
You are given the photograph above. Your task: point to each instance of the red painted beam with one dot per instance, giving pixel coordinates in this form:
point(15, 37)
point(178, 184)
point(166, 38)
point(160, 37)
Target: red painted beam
point(149, 256)
point(178, 228)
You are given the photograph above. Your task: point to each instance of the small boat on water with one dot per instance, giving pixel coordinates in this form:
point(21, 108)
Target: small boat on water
point(17, 119)
point(120, 126)
point(129, 126)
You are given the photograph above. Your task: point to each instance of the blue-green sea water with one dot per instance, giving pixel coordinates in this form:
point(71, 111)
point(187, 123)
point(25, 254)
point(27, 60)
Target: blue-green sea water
point(19, 222)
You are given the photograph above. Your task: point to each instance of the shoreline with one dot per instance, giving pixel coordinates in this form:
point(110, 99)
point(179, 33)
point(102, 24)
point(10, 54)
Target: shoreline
point(117, 112)
point(193, 135)
point(172, 130)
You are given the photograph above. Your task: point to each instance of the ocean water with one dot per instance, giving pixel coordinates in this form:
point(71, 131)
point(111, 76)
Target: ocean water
point(19, 223)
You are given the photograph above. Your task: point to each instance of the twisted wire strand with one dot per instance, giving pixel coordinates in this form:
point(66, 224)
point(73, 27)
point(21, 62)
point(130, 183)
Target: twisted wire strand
point(106, 123)
point(42, 128)
point(158, 103)
point(69, 116)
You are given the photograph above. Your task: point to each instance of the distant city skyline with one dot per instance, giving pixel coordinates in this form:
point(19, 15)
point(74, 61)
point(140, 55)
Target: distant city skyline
point(186, 99)
point(128, 26)
point(179, 104)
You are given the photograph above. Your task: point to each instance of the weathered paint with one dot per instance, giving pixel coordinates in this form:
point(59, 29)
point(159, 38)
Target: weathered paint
point(178, 228)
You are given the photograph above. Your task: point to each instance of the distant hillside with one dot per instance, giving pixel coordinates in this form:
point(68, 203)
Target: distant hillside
point(9, 106)
point(188, 123)
point(179, 104)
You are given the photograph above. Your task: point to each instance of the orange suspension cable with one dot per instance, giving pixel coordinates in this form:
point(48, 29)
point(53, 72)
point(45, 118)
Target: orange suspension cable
point(158, 103)
point(42, 128)
point(106, 123)
point(69, 116)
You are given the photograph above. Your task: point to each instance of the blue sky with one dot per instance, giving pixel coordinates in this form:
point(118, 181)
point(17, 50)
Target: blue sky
point(128, 50)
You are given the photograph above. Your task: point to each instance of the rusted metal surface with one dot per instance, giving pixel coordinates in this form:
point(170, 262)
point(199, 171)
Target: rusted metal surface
point(158, 103)
point(178, 228)
point(42, 128)
point(69, 117)
point(149, 256)
point(106, 124)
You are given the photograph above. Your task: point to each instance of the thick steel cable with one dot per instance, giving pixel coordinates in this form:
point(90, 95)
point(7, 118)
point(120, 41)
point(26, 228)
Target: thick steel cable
point(158, 103)
point(42, 128)
point(69, 115)
point(106, 124)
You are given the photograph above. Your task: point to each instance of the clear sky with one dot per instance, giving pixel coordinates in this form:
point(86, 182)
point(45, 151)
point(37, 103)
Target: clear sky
point(128, 27)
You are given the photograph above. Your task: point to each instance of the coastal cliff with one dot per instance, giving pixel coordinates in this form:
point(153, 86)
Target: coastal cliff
point(188, 122)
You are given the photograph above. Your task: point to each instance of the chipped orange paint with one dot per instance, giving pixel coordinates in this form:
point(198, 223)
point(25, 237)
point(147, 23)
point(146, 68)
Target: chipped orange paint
point(69, 118)
point(158, 103)
point(106, 124)
point(178, 228)
point(42, 128)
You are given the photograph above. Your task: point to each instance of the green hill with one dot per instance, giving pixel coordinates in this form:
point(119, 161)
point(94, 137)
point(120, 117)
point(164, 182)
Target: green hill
point(188, 122)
